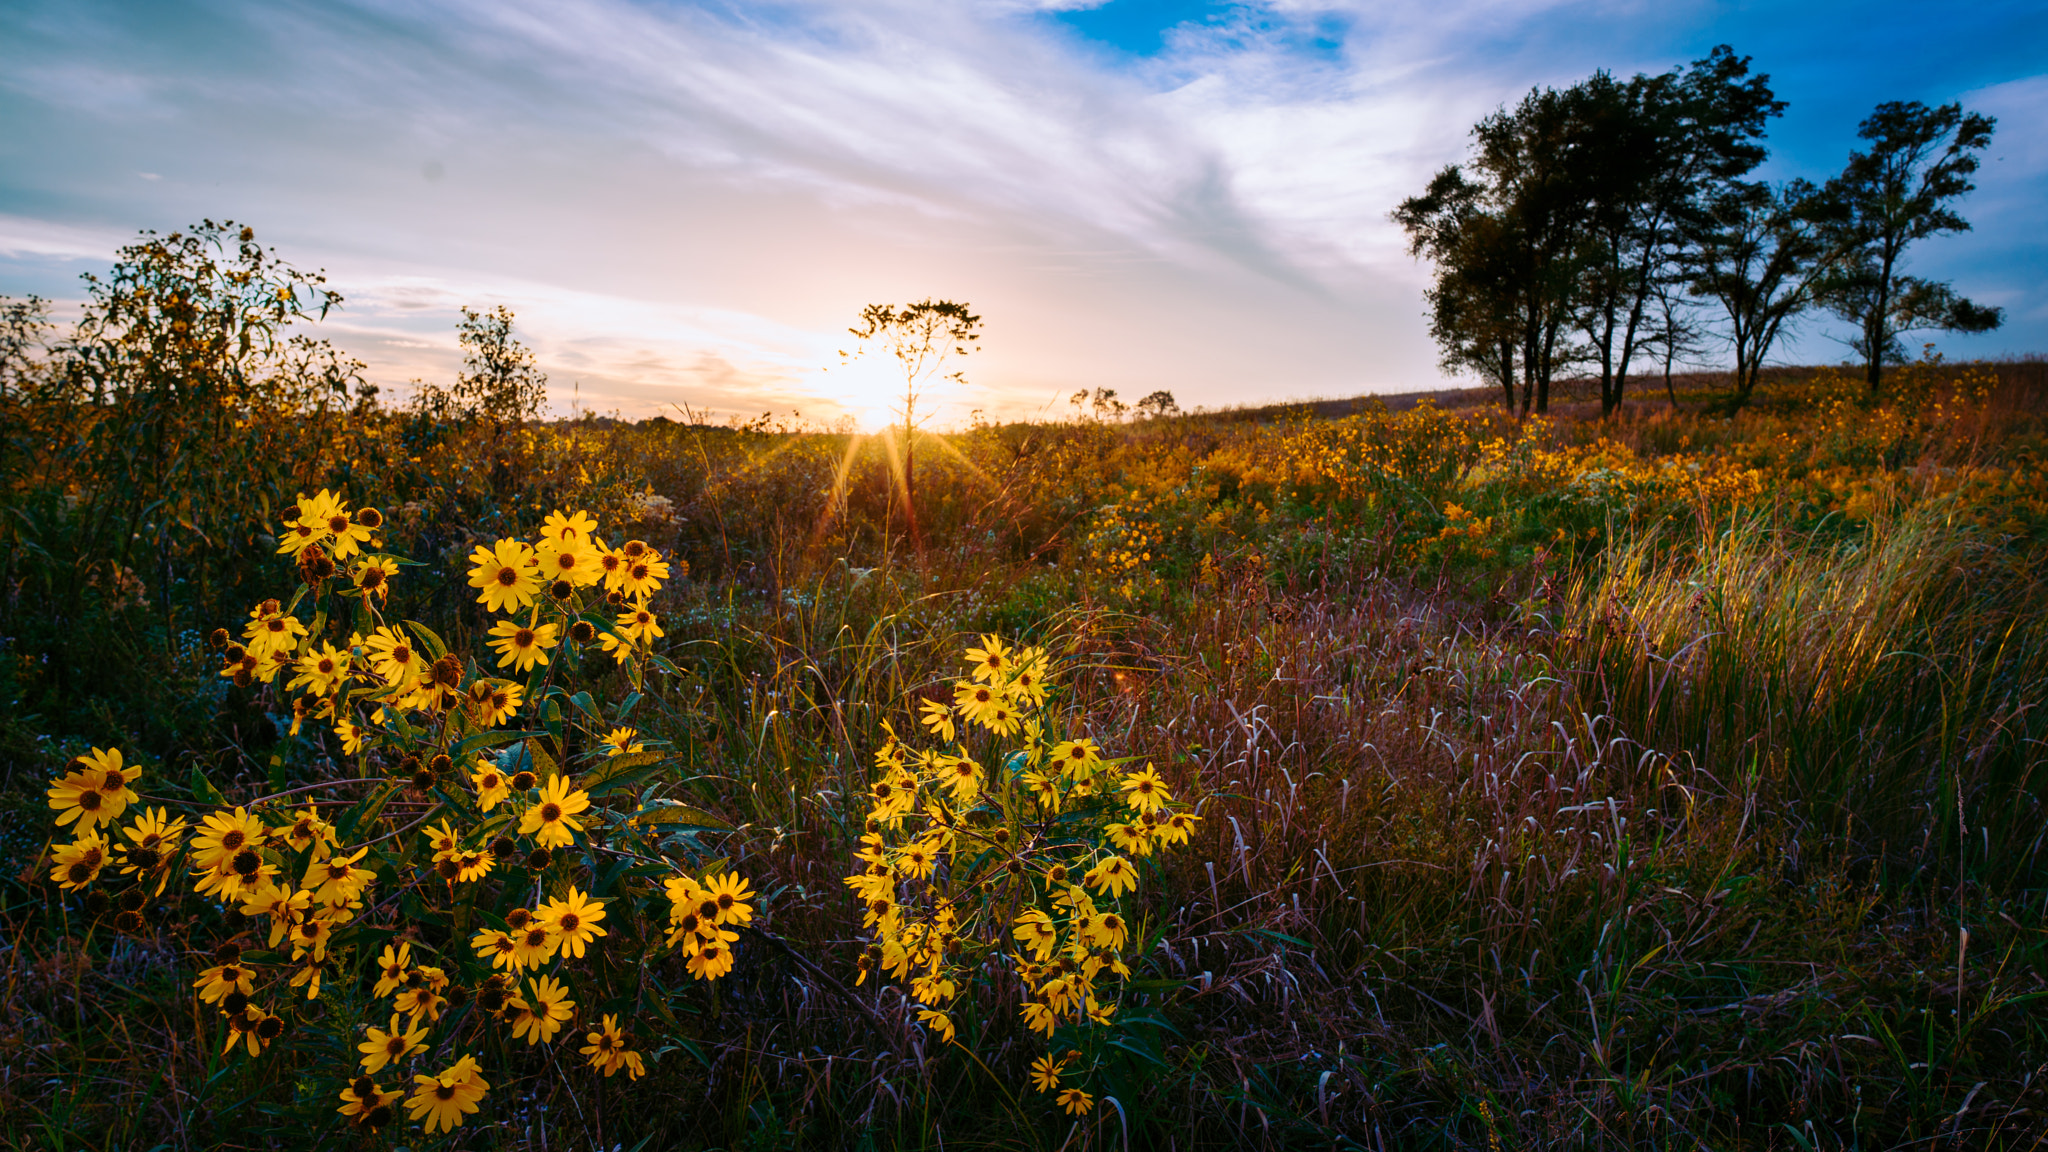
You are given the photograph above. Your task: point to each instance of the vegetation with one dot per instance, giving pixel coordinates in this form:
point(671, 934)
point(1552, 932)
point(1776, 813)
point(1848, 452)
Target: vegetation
point(1587, 216)
point(1404, 775)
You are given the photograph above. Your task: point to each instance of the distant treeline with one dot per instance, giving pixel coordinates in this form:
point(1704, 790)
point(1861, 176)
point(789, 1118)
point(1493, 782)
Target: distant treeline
point(1613, 223)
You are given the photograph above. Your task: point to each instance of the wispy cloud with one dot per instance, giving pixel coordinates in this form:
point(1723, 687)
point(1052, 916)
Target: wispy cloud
point(688, 203)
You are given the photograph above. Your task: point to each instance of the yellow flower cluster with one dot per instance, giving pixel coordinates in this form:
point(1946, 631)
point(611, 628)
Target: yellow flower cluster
point(451, 808)
point(1023, 865)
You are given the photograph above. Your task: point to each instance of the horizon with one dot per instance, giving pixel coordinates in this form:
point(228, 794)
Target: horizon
point(1139, 195)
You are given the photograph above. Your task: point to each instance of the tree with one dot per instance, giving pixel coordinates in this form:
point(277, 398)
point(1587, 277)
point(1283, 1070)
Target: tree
point(1651, 153)
point(1157, 404)
point(1569, 215)
point(1672, 330)
point(1759, 254)
point(1919, 161)
point(499, 379)
point(923, 337)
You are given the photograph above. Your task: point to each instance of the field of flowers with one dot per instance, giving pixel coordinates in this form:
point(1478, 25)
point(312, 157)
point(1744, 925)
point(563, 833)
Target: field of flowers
point(1416, 778)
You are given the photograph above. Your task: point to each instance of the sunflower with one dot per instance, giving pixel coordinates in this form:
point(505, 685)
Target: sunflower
point(367, 1104)
point(1130, 839)
point(574, 559)
point(639, 625)
point(393, 656)
point(990, 662)
point(523, 645)
point(542, 1017)
point(1114, 875)
point(223, 834)
point(337, 881)
point(95, 791)
point(373, 578)
point(307, 833)
point(712, 958)
point(1033, 928)
point(1144, 790)
point(574, 919)
point(320, 670)
point(442, 1101)
point(392, 967)
point(938, 1022)
point(253, 1027)
point(562, 527)
point(312, 937)
point(349, 533)
point(491, 786)
point(496, 944)
point(937, 718)
point(550, 821)
point(492, 702)
point(270, 631)
point(421, 1003)
point(217, 982)
point(609, 1048)
point(390, 1045)
point(78, 863)
point(533, 945)
point(352, 737)
point(507, 573)
point(154, 840)
point(1045, 1073)
point(730, 892)
point(641, 576)
point(620, 741)
point(1176, 828)
point(1076, 1102)
point(1077, 758)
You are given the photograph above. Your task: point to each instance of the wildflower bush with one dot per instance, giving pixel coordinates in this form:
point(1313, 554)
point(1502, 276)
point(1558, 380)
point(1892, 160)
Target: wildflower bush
point(484, 866)
point(1004, 857)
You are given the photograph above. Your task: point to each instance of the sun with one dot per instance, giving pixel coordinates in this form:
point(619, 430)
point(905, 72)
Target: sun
point(868, 388)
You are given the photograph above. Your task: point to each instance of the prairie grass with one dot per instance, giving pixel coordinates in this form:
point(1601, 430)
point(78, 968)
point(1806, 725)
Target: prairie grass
point(1618, 810)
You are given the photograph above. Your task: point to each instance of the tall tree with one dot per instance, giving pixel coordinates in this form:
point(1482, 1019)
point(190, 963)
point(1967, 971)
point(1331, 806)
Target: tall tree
point(923, 337)
point(1901, 189)
point(1652, 153)
point(1571, 210)
point(1758, 253)
point(1504, 238)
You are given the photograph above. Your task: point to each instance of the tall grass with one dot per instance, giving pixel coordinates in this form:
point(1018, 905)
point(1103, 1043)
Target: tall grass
point(1887, 680)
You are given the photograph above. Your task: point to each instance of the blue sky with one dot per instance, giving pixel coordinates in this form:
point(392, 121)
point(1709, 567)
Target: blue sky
point(687, 203)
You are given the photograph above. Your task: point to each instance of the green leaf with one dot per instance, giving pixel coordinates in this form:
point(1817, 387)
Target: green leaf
point(618, 766)
point(474, 744)
point(670, 812)
point(204, 789)
point(429, 638)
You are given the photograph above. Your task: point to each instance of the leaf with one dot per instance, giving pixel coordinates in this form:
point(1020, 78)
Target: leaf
point(618, 766)
point(543, 764)
point(204, 789)
point(670, 812)
point(474, 744)
point(429, 638)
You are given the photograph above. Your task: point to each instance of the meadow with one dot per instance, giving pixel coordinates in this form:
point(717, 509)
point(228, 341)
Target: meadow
point(1668, 781)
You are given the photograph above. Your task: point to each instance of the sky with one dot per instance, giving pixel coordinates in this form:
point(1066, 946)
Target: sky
point(687, 204)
